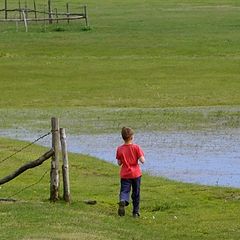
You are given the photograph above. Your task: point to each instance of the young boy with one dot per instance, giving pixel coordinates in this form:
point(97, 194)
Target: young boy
point(128, 156)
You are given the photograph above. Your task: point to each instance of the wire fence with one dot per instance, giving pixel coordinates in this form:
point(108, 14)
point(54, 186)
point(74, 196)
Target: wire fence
point(21, 150)
point(29, 186)
point(24, 147)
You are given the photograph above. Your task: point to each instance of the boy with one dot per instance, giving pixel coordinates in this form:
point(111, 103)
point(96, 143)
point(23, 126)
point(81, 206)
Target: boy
point(128, 155)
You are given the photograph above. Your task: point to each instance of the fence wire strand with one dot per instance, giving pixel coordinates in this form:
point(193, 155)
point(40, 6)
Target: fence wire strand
point(26, 146)
point(31, 185)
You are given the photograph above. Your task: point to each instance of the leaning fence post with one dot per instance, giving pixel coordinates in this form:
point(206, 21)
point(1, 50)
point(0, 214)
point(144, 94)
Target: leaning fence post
point(54, 183)
point(25, 20)
point(65, 168)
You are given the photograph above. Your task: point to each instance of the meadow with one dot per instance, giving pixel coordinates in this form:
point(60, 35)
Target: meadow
point(154, 65)
point(169, 210)
point(148, 54)
point(145, 56)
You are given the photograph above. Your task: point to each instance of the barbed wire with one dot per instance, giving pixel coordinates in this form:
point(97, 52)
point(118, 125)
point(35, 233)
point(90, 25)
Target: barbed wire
point(26, 146)
point(31, 185)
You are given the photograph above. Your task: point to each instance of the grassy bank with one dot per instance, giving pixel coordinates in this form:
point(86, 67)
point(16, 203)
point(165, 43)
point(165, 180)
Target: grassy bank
point(169, 210)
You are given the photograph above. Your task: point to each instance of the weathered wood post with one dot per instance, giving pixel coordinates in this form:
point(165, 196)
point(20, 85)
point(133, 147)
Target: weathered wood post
point(35, 9)
point(54, 174)
point(25, 20)
point(27, 166)
point(19, 8)
point(85, 15)
point(49, 11)
point(67, 6)
point(26, 10)
point(65, 167)
point(5, 9)
point(45, 27)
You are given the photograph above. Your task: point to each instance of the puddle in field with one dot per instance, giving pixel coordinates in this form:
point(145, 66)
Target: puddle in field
point(211, 158)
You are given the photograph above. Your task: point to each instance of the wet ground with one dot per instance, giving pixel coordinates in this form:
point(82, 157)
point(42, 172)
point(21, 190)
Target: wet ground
point(203, 157)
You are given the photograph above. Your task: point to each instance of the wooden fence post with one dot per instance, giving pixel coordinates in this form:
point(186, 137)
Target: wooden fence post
point(65, 167)
point(19, 9)
point(49, 11)
point(67, 7)
point(85, 15)
point(25, 20)
point(35, 9)
point(27, 166)
point(5, 9)
point(54, 183)
point(26, 10)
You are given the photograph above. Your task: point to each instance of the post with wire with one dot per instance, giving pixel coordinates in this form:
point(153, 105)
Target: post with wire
point(54, 174)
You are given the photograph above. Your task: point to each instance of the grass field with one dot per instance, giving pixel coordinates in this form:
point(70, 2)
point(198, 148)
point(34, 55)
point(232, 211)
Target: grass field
point(169, 210)
point(145, 55)
point(138, 54)
point(153, 65)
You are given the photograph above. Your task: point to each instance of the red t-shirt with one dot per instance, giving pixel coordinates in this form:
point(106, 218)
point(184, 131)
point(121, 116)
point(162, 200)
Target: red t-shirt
point(129, 154)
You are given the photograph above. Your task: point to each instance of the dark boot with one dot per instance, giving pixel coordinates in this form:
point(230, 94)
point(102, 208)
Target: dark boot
point(121, 208)
point(136, 215)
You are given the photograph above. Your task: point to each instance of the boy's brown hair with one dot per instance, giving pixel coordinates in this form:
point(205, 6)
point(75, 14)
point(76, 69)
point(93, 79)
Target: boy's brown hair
point(127, 133)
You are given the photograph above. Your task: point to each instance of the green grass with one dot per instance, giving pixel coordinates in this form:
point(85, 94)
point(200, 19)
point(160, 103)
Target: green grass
point(151, 55)
point(154, 65)
point(169, 210)
point(148, 54)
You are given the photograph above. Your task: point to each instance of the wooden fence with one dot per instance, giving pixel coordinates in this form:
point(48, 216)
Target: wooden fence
point(49, 14)
point(58, 144)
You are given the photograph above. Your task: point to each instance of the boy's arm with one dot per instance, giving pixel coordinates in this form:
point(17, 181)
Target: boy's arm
point(117, 157)
point(142, 159)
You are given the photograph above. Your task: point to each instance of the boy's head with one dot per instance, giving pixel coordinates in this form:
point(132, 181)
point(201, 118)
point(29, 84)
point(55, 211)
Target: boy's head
point(127, 134)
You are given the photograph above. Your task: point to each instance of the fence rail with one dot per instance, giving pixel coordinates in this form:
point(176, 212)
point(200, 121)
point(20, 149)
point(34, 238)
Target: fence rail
point(51, 15)
point(43, 19)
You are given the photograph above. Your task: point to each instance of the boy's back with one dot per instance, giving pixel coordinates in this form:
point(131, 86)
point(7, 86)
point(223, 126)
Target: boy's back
point(128, 155)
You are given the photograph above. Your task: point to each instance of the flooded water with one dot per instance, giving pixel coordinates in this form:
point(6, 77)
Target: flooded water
point(209, 158)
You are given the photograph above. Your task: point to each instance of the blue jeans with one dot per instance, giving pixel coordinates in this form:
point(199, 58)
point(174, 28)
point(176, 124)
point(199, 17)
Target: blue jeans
point(126, 185)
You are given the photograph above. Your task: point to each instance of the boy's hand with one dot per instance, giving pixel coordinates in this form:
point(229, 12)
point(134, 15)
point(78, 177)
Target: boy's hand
point(142, 159)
